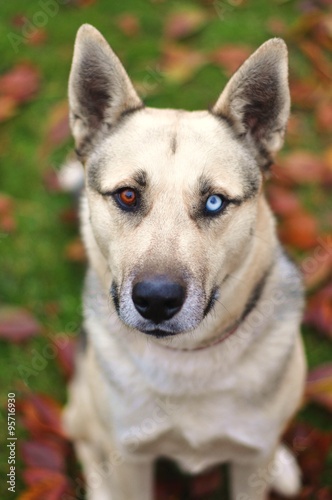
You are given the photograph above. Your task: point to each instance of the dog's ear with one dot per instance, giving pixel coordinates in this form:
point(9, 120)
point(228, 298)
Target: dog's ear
point(100, 91)
point(256, 99)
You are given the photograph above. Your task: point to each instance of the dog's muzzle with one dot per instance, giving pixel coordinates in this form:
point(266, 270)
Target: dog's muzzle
point(158, 298)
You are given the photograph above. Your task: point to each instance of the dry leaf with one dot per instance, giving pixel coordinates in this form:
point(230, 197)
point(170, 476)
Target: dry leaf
point(303, 167)
point(21, 83)
point(319, 386)
point(179, 64)
point(75, 251)
point(283, 201)
point(17, 325)
point(43, 453)
point(8, 107)
point(319, 311)
point(324, 117)
point(41, 415)
point(129, 24)
point(53, 486)
point(230, 57)
point(66, 358)
point(299, 230)
point(186, 22)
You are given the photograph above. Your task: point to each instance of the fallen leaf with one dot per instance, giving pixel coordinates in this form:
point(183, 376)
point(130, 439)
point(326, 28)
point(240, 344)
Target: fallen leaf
point(317, 58)
point(319, 311)
point(17, 325)
point(129, 24)
point(317, 266)
point(299, 230)
point(179, 64)
point(204, 485)
point(230, 57)
point(311, 447)
point(58, 124)
point(276, 26)
point(21, 83)
point(41, 415)
point(304, 93)
point(57, 128)
point(319, 386)
point(37, 37)
point(53, 486)
point(183, 23)
point(43, 454)
point(303, 167)
point(282, 200)
point(324, 117)
point(328, 159)
point(66, 358)
point(7, 218)
point(8, 107)
point(75, 251)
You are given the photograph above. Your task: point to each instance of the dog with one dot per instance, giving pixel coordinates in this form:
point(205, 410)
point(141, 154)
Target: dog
point(191, 347)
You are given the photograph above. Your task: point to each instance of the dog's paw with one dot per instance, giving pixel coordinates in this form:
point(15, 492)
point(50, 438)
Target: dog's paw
point(287, 478)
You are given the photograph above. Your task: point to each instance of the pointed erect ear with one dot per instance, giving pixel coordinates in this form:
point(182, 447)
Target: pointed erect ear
point(256, 100)
point(100, 91)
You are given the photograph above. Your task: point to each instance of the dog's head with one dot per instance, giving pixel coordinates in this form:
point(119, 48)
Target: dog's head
point(173, 196)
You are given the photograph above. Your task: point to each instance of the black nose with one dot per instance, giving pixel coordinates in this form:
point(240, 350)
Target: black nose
point(158, 298)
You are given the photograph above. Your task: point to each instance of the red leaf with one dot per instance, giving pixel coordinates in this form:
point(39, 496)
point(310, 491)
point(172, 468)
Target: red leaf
point(37, 37)
point(34, 475)
point(8, 107)
point(304, 94)
point(58, 127)
point(17, 325)
point(129, 24)
point(317, 267)
point(184, 23)
point(54, 486)
point(324, 117)
point(317, 58)
point(43, 454)
point(319, 386)
point(66, 357)
point(204, 485)
point(180, 63)
point(299, 230)
point(230, 57)
point(21, 83)
point(319, 311)
point(283, 201)
point(75, 251)
point(302, 167)
point(311, 447)
point(7, 220)
point(41, 415)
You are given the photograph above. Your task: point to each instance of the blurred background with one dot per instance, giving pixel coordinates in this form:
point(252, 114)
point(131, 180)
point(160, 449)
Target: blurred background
point(179, 54)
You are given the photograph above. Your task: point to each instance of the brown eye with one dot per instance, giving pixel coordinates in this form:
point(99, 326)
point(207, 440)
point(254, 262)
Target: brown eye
point(127, 198)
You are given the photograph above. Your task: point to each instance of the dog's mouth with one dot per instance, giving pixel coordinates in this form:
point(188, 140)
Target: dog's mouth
point(162, 308)
point(159, 333)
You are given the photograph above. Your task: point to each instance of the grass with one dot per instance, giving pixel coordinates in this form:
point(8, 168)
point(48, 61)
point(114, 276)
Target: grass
point(35, 272)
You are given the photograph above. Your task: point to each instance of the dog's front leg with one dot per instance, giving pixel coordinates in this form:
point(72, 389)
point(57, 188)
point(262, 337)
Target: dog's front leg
point(249, 482)
point(112, 478)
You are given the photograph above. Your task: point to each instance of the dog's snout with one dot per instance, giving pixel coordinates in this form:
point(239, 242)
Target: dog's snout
point(158, 298)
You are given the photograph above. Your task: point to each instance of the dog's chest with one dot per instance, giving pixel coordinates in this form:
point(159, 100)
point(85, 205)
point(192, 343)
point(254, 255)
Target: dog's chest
point(195, 432)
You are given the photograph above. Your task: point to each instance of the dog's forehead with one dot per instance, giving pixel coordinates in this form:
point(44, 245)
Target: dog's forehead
point(178, 146)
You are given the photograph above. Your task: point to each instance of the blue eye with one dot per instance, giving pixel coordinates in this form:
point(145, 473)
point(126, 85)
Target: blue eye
point(214, 204)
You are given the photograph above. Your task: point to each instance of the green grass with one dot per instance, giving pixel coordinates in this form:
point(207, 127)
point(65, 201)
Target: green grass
point(35, 272)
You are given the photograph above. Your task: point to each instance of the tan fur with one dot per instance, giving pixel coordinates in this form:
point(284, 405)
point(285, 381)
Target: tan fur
point(190, 396)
